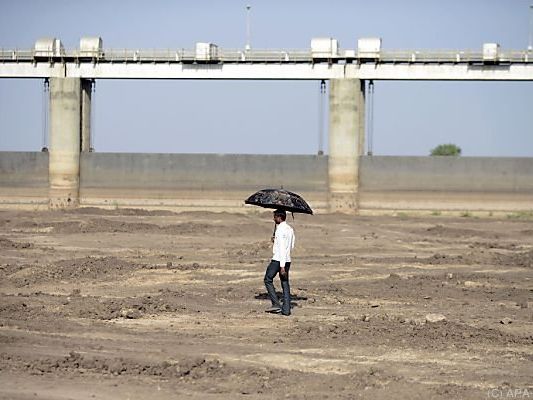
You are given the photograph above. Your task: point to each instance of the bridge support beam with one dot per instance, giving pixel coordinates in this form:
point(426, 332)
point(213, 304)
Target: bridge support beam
point(65, 143)
point(346, 143)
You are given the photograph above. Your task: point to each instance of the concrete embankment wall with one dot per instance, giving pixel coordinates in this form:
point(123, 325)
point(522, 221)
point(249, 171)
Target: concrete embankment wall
point(216, 182)
point(446, 183)
point(192, 181)
point(23, 178)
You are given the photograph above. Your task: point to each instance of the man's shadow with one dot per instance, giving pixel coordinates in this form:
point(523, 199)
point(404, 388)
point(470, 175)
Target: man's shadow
point(264, 296)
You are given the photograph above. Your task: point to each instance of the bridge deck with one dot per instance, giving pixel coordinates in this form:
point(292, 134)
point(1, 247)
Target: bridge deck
point(267, 64)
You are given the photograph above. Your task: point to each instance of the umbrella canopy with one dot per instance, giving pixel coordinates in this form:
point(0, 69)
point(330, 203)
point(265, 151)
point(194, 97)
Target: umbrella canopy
point(279, 199)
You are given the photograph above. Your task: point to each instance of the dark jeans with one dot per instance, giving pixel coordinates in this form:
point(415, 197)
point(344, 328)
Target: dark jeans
point(271, 272)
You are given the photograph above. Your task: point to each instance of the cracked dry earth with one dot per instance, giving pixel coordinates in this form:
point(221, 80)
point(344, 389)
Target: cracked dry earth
point(128, 304)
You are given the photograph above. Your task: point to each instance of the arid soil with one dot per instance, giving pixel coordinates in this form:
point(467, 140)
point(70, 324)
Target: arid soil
point(129, 304)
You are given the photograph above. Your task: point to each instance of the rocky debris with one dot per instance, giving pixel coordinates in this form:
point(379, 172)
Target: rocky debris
point(433, 332)
point(438, 259)
point(185, 267)
point(254, 249)
point(129, 308)
point(87, 268)
point(8, 244)
point(518, 259)
point(394, 277)
point(472, 284)
point(432, 318)
point(186, 367)
point(130, 313)
point(24, 308)
point(523, 304)
point(371, 235)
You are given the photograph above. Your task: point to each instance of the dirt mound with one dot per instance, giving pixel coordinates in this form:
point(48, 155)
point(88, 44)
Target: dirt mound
point(449, 231)
point(85, 269)
point(119, 211)
point(93, 268)
point(101, 268)
point(185, 267)
point(14, 308)
point(129, 308)
point(521, 259)
point(371, 329)
point(421, 288)
point(255, 249)
point(8, 244)
point(512, 257)
point(97, 225)
point(481, 254)
point(23, 308)
point(101, 225)
point(106, 225)
point(438, 259)
point(189, 367)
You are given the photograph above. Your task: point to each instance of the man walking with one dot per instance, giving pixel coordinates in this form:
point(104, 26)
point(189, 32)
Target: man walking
point(280, 263)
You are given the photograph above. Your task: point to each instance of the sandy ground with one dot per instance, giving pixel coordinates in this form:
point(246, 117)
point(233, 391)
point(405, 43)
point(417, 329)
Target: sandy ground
point(131, 304)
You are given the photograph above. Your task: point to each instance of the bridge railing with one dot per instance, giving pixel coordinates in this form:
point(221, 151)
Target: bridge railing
point(258, 56)
point(265, 56)
point(16, 55)
point(414, 56)
point(453, 56)
point(187, 55)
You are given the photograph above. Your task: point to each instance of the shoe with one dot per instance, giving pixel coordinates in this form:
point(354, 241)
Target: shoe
point(273, 310)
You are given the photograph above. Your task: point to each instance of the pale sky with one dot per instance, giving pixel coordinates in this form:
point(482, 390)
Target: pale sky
point(275, 117)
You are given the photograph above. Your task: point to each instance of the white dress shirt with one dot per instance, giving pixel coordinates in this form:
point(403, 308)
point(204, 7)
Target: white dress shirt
point(283, 243)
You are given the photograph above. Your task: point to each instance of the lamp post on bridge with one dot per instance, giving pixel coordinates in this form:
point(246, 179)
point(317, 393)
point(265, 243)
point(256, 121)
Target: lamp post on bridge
point(248, 46)
point(530, 43)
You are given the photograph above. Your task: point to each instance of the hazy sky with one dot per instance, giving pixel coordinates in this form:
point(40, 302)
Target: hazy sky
point(483, 118)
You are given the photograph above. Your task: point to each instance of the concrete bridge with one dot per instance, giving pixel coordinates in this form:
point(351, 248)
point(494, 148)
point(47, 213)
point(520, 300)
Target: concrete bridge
point(71, 75)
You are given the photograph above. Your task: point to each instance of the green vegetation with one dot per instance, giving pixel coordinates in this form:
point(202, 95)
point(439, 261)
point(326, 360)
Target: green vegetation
point(446, 150)
point(521, 215)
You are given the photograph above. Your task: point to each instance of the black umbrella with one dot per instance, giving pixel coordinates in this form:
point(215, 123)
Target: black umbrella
point(279, 199)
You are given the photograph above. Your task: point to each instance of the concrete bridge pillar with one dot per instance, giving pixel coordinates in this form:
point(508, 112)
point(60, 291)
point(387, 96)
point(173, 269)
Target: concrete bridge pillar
point(346, 143)
point(65, 144)
point(86, 98)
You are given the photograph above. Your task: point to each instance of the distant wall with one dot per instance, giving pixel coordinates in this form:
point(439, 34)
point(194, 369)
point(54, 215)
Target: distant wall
point(23, 177)
point(197, 180)
point(223, 181)
point(202, 171)
point(446, 183)
point(470, 174)
point(24, 169)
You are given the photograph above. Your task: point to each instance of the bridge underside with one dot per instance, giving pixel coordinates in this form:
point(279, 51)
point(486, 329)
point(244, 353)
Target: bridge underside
point(280, 71)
